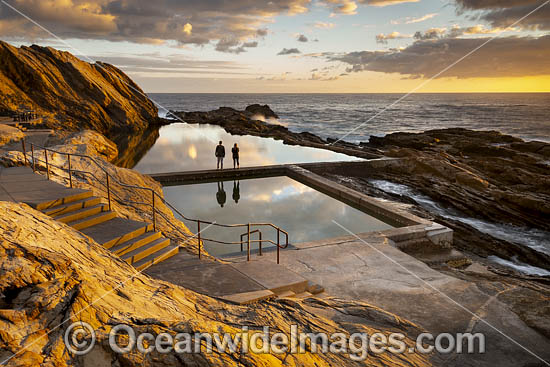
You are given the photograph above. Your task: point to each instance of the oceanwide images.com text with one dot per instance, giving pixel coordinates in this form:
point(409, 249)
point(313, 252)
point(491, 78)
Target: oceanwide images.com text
point(80, 338)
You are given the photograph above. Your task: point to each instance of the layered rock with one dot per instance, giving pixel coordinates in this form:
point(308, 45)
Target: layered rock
point(70, 93)
point(475, 174)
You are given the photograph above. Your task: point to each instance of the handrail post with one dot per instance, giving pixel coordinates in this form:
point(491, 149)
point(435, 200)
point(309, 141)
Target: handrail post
point(24, 151)
point(242, 235)
point(47, 165)
point(108, 192)
point(154, 216)
point(260, 232)
point(32, 154)
point(70, 175)
point(248, 245)
point(278, 246)
point(199, 235)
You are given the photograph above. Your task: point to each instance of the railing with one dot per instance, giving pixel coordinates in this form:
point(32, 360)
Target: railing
point(250, 227)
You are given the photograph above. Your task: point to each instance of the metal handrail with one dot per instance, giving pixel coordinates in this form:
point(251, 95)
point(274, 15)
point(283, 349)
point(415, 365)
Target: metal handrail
point(154, 196)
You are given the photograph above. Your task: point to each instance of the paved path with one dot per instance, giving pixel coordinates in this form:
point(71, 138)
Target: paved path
point(370, 269)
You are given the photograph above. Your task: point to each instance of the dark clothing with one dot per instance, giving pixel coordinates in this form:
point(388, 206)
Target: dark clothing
point(235, 151)
point(220, 151)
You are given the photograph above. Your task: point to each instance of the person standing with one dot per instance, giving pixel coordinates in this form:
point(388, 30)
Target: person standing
point(235, 151)
point(220, 154)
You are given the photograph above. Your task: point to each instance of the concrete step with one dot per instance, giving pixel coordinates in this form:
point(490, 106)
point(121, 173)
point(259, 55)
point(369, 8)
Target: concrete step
point(69, 207)
point(134, 243)
point(305, 294)
point(286, 294)
point(246, 298)
point(116, 231)
point(413, 244)
point(82, 213)
point(408, 233)
point(92, 220)
point(276, 278)
point(157, 257)
point(141, 252)
point(72, 196)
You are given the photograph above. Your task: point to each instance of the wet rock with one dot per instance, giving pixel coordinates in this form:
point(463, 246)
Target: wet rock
point(265, 111)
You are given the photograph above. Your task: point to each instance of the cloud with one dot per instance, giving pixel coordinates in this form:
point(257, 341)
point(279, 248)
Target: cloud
point(381, 3)
point(457, 31)
point(349, 7)
point(345, 7)
point(155, 64)
point(234, 46)
point(501, 14)
point(430, 34)
point(302, 38)
point(323, 25)
point(289, 51)
point(144, 21)
point(412, 20)
point(502, 57)
point(420, 19)
point(383, 38)
point(323, 77)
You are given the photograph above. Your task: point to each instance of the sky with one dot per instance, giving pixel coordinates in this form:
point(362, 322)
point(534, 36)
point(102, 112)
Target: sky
point(299, 46)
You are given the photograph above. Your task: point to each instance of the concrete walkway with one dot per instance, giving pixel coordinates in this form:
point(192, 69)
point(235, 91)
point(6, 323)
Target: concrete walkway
point(373, 270)
point(242, 282)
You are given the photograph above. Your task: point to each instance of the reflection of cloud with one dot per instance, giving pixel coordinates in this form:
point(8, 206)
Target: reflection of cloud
point(305, 213)
point(192, 152)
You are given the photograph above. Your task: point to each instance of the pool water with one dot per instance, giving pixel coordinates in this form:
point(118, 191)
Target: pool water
point(303, 212)
point(189, 147)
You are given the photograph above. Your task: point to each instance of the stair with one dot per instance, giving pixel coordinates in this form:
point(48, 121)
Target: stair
point(135, 242)
point(92, 220)
point(75, 195)
point(69, 207)
point(81, 213)
point(157, 257)
point(139, 253)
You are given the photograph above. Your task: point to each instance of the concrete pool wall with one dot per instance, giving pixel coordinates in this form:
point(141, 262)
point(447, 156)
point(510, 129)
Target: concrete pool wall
point(410, 227)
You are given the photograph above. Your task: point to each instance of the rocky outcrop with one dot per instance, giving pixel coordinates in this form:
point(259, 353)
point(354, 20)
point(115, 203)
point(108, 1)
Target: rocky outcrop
point(474, 174)
point(9, 134)
point(70, 93)
point(53, 276)
point(261, 121)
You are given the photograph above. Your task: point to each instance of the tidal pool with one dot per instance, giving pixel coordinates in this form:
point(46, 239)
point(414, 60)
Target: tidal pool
point(189, 147)
point(303, 212)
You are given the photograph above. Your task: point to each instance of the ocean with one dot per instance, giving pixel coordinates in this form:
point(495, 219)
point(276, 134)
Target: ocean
point(525, 115)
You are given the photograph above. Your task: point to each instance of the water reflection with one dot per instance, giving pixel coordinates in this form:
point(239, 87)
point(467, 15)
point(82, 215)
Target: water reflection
point(236, 191)
point(187, 147)
point(305, 213)
point(220, 195)
point(132, 146)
